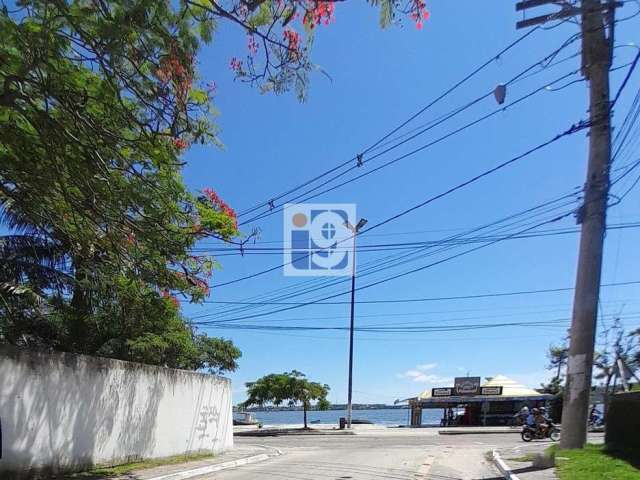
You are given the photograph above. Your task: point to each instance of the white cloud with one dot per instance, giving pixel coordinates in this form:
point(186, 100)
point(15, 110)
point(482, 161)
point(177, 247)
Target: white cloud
point(427, 366)
point(419, 375)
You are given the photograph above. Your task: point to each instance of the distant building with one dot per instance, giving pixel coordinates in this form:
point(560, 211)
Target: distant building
point(470, 402)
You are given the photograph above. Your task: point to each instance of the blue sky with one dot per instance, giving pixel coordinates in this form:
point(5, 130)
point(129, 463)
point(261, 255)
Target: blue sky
point(378, 79)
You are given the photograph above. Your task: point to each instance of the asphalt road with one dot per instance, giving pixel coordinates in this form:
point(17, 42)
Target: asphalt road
point(399, 454)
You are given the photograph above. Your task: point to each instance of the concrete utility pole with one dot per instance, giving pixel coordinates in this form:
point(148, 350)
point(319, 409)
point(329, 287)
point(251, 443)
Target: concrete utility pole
point(596, 62)
point(354, 230)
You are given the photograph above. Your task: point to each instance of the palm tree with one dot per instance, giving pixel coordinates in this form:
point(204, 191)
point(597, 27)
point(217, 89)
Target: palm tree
point(31, 271)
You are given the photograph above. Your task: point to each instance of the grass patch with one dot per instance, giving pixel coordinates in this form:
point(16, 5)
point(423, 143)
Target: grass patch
point(594, 462)
point(125, 468)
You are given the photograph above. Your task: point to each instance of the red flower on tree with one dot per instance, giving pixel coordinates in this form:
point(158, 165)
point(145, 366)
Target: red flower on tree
point(221, 205)
point(174, 300)
point(236, 65)
point(177, 70)
point(203, 286)
point(179, 143)
point(293, 40)
point(419, 13)
point(320, 13)
point(252, 45)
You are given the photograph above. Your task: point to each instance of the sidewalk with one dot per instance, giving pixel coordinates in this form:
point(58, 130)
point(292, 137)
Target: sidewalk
point(240, 455)
point(525, 471)
point(477, 430)
point(517, 461)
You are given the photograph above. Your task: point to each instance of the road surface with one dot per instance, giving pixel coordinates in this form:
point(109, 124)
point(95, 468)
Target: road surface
point(397, 454)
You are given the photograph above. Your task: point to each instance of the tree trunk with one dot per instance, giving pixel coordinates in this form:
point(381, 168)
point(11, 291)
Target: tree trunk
point(605, 408)
point(304, 408)
point(81, 309)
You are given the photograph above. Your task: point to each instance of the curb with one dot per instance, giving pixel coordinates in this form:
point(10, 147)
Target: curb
point(504, 469)
point(283, 432)
point(194, 472)
point(479, 432)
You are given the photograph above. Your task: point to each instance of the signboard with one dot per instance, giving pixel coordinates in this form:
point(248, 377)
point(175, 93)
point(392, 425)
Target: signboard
point(467, 385)
point(441, 392)
point(490, 390)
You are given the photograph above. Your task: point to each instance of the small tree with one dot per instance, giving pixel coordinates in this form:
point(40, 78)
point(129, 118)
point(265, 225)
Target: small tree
point(558, 357)
point(291, 387)
point(615, 362)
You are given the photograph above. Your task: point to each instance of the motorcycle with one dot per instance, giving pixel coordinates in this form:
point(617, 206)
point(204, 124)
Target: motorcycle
point(532, 433)
point(596, 422)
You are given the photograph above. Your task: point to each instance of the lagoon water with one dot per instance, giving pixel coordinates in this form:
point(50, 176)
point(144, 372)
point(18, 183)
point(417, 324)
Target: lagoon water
point(380, 416)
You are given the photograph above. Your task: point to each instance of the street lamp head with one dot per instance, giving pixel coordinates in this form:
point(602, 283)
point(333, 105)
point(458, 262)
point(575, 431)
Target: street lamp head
point(361, 223)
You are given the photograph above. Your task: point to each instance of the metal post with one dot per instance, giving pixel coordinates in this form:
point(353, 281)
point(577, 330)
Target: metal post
point(596, 63)
point(354, 229)
point(353, 293)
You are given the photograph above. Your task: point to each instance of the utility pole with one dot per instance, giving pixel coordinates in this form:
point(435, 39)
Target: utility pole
point(355, 231)
point(596, 62)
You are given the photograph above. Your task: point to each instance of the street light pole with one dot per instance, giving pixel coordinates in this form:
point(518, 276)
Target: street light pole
point(361, 223)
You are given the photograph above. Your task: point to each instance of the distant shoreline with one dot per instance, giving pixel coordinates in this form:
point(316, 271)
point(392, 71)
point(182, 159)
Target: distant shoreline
point(332, 408)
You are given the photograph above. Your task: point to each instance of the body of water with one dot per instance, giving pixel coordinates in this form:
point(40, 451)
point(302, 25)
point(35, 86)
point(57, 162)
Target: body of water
point(380, 416)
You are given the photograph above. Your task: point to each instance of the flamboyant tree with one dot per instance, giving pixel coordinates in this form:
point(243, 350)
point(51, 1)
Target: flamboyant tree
point(99, 100)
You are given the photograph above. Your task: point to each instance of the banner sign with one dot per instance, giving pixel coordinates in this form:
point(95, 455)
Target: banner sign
point(490, 390)
point(441, 392)
point(467, 385)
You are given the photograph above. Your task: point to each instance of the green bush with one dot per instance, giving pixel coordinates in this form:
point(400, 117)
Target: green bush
point(623, 422)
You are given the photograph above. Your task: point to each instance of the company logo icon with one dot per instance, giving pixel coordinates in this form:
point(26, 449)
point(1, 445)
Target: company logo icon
point(317, 241)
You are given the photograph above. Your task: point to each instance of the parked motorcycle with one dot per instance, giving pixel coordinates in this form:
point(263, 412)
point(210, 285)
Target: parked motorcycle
point(532, 433)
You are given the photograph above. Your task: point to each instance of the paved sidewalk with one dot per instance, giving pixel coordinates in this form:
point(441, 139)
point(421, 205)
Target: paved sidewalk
point(241, 454)
point(514, 459)
point(524, 469)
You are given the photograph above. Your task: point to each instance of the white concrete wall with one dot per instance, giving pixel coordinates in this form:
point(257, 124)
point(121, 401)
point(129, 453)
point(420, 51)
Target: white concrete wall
point(67, 412)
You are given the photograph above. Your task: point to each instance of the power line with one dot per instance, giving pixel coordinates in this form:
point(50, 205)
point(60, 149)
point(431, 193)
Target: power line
point(386, 247)
point(403, 124)
point(391, 278)
point(562, 322)
point(309, 194)
point(395, 314)
point(379, 265)
point(324, 284)
point(394, 260)
point(440, 299)
point(573, 129)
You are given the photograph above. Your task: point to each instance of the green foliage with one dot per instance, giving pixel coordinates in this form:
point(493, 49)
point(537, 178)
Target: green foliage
point(96, 105)
point(291, 387)
point(386, 13)
point(128, 469)
point(131, 322)
point(98, 100)
point(262, 16)
point(554, 386)
point(558, 356)
point(593, 462)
